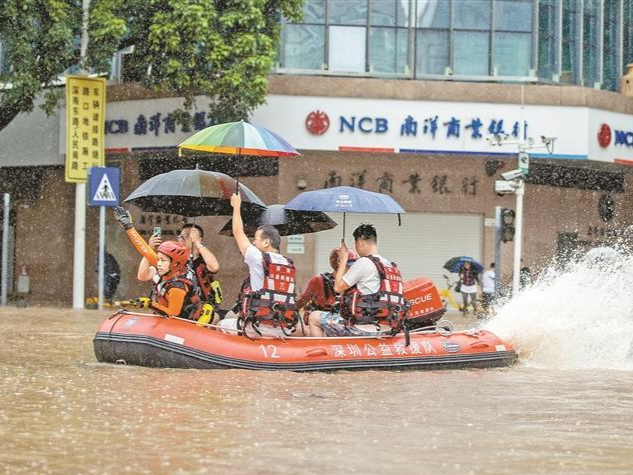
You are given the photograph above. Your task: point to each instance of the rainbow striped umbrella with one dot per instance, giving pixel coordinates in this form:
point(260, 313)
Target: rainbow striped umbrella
point(239, 138)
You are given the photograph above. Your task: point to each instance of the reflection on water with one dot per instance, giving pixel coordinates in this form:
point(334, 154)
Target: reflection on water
point(62, 412)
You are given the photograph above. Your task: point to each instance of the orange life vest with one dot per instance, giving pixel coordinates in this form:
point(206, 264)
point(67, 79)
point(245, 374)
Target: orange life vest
point(274, 303)
point(387, 306)
point(191, 305)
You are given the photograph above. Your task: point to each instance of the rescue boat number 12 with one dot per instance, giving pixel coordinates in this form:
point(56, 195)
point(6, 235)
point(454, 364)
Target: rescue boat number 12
point(272, 349)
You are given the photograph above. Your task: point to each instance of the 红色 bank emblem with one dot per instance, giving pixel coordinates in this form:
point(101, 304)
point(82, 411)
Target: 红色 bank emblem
point(317, 122)
point(604, 135)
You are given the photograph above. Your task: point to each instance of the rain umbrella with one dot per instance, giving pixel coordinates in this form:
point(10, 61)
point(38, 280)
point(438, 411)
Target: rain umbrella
point(239, 138)
point(192, 193)
point(345, 199)
point(286, 221)
point(455, 264)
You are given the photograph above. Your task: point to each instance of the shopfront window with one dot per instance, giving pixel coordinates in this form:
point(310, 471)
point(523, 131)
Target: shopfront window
point(348, 12)
point(591, 42)
point(303, 47)
point(627, 53)
point(349, 54)
point(432, 55)
point(388, 50)
point(512, 55)
point(471, 53)
point(472, 14)
point(611, 66)
point(576, 42)
point(570, 70)
point(548, 36)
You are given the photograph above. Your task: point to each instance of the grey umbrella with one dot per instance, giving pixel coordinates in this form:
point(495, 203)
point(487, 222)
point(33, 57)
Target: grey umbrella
point(286, 221)
point(192, 193)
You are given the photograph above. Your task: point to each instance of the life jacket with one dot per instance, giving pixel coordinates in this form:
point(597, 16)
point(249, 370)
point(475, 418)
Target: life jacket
point(210, 290)
point(329, 294)
point(191, 305)
point(274, 303)
point(387, 306)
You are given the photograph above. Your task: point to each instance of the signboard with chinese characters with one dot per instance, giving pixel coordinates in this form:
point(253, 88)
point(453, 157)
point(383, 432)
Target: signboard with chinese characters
point(296, 244)
point(85, 115)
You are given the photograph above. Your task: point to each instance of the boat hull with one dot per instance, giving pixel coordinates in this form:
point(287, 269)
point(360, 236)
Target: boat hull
point(152, 341)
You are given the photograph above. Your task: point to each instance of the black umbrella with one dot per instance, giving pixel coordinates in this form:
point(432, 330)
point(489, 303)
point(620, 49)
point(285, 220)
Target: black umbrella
point(286, 221)
point(192, 193)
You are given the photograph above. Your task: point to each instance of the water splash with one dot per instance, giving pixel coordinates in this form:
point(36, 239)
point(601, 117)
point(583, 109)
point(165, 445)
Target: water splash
point(580, 317)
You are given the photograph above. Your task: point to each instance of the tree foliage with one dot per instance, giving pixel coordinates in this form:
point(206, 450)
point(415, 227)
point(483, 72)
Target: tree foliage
point(222, 49)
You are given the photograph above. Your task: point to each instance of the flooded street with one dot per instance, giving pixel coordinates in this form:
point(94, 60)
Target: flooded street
point(62, 412)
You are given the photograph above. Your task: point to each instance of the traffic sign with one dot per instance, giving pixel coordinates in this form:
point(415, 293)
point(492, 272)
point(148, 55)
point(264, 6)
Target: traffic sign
point(104, 186)
point(524, 162)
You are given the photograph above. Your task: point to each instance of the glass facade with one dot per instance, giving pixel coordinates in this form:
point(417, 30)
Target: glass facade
point(585, 42)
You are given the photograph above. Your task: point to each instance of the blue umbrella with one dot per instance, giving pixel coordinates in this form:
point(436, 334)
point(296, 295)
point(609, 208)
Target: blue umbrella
point(455, 264)
point(345, 199)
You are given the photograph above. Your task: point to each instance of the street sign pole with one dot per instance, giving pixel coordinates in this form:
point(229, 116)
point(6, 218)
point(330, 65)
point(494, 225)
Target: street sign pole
point(5, 248)
point(102, 218)
point(497, 248)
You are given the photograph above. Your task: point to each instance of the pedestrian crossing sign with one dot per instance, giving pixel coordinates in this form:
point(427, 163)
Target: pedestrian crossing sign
point(104, 186)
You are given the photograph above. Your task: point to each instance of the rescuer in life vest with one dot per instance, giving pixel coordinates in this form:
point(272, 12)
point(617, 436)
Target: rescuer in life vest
point(268, 299)
point(173, 295)
point(319, 294)
point(372, 298)
point(201, 267)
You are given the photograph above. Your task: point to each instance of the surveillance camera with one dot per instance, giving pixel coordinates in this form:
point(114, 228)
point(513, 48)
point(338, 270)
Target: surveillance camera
point(503, 187)
point(547, 139)
point(301, 184)
point(513, 175)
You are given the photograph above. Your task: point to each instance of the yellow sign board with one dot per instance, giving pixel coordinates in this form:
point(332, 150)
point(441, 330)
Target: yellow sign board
point(85, 122)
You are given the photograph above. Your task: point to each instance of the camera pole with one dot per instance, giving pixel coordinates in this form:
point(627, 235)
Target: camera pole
point(518, 237)
point(497, 248)
point(5, 247)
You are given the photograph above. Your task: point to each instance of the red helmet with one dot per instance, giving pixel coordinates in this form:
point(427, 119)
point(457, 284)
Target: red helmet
point(176, 252)
point(334, 257)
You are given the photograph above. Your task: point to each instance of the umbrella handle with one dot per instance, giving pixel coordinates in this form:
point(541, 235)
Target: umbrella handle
point(237, 185)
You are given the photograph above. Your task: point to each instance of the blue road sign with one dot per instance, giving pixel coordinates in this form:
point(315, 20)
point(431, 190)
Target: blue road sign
point(104, 186)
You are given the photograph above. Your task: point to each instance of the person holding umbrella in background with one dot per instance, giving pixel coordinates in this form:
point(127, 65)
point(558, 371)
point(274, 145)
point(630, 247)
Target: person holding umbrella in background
point(268, 298)
point(468, 280)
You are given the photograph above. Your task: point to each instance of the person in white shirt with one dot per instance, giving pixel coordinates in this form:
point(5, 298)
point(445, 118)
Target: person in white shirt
point(488, 288)
point(266, 241)
point(363, 274)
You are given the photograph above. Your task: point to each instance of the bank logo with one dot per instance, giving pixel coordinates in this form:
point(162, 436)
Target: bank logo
point(604, 135)
point(317, 122)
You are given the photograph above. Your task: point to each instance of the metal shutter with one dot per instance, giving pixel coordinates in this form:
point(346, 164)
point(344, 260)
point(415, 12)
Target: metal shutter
point(420, 246)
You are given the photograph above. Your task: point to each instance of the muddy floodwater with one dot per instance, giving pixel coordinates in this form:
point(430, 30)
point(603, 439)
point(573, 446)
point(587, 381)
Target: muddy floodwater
point(62, 412)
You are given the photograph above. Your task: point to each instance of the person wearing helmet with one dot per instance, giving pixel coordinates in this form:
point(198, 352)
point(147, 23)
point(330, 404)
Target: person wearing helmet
point(319, 293)
point(201, 268)
point(173, 295)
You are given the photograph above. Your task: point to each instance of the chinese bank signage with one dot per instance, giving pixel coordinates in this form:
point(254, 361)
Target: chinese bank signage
point(378, 125)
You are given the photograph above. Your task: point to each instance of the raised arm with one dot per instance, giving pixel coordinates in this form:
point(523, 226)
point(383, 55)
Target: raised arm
point(209, 258)
point(238, 226)
point(343, 255)
point(125, 219)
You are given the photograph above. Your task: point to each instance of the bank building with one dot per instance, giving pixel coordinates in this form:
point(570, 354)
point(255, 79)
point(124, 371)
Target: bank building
point(393, 96)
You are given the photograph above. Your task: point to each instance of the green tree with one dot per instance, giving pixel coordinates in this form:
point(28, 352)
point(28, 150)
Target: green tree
point(222, 49)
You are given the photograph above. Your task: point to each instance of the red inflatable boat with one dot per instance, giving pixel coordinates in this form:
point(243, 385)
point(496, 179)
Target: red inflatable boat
point(151, 340)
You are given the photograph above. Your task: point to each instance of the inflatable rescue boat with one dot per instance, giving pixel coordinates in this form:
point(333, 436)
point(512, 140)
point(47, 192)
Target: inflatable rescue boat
point(156, 341)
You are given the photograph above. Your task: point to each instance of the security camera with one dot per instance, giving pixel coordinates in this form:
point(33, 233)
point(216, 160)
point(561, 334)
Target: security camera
point(503, 187)
point(548, 139)
point(513, 175)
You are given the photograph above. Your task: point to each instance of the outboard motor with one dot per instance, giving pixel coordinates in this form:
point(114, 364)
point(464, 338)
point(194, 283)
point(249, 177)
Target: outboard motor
point(426, 304)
